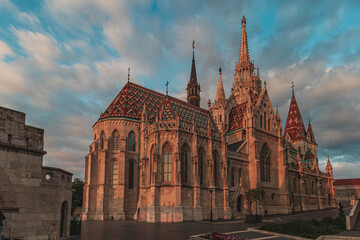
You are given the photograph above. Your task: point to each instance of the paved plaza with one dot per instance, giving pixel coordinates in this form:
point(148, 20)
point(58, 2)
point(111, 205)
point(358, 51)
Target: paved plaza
point(125, 230)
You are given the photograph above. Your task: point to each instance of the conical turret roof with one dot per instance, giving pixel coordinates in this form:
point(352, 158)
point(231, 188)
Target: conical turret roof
point(294, 124)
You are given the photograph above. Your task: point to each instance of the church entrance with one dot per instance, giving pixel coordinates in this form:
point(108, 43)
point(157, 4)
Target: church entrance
point(63, 219)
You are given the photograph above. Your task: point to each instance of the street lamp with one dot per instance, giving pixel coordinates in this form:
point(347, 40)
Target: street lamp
point(211, 215)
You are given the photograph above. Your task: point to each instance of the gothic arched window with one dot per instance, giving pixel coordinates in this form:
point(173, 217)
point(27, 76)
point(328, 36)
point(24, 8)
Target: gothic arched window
point(131, 141)
point(131, 174)
point(261, 121)
point(265, 120)
point(215, 170)
point(232, 177)
point(102, 139)
point(201, 155)
point(115, 174)
point(184, 163)
point(150, 165)
point(167, 162)
point(116, 140)
point(265, 163)
point(269, 124)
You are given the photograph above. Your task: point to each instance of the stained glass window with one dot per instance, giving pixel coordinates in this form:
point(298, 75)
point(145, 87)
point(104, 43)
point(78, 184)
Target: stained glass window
point(167, 162)
point(116, 140)
point(131, 142)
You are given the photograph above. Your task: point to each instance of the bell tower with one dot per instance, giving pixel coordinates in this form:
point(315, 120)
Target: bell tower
point(245, 81)
point(193, 88)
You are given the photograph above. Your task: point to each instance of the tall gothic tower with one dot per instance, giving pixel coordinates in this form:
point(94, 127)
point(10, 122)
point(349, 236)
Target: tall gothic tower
point(245, 81)
point(193, 88)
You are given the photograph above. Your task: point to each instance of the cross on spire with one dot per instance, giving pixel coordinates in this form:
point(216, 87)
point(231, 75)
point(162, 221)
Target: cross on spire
point(167, 84)
point(293, 88)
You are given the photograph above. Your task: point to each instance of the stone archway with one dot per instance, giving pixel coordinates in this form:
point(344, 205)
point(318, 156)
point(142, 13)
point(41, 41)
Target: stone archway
point(63, 219)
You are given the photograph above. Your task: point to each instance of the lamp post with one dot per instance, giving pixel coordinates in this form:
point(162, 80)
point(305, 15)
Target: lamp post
point(211, 215)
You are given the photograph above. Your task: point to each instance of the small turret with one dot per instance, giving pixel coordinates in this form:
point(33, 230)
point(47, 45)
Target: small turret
point(329, 169)
point(278, 119)
point(220, 93)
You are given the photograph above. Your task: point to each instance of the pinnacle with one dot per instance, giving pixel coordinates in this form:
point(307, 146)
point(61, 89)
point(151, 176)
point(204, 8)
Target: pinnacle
point(220, 93)
point(244, 49)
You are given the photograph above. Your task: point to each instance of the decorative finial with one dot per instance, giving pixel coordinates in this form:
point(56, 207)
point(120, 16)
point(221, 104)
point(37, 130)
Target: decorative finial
point(220, 70)
point(243, 21)
point(129, 74)
point(167, 84)
point(293, 88)
point(209, 103)
point(265, 84)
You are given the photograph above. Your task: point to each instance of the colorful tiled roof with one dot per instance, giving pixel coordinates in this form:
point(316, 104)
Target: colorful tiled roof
point(344, 182)
point(236, 114)
point(294, 123)
point(131, 99)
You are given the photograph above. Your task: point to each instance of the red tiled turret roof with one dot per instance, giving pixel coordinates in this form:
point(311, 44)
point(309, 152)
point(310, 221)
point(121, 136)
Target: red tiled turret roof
point(294, 123)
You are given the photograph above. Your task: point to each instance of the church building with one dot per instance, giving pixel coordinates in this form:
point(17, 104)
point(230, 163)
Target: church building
point(156, 158)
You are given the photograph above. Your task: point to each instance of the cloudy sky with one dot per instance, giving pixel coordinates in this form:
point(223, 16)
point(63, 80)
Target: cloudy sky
point(62, 62)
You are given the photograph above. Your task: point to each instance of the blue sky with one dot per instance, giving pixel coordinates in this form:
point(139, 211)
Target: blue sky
point(62, 62)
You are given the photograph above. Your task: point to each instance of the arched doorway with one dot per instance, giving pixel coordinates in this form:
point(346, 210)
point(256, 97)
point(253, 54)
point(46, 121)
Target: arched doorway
point(63, 219)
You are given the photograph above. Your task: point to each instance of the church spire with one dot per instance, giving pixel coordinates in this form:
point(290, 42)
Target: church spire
point(220, 93)
point(193, 78)
point(244, 49)
point(193, 87)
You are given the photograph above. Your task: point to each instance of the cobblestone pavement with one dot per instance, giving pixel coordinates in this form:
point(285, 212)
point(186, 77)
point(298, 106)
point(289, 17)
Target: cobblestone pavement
point(131, 230)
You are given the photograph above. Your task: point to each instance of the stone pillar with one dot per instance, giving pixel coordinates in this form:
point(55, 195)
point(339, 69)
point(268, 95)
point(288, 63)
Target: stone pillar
point(99, 213)
point(86, 190)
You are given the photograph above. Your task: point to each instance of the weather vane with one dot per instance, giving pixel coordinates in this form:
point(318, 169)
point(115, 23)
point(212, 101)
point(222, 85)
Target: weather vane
point(128, 74)
point(167, 84)
point(293, 88)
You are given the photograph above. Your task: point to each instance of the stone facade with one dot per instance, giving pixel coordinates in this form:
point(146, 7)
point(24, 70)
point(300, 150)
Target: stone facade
point(347, 190)
point(36, 200)
point(156, 158)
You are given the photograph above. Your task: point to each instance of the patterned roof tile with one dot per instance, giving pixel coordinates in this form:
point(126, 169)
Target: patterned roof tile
point(131, 99)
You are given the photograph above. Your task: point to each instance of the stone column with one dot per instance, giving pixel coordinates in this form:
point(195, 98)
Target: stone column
point(99, 213)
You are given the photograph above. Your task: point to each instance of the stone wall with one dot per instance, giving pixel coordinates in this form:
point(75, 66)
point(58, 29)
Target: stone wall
point(31, 195)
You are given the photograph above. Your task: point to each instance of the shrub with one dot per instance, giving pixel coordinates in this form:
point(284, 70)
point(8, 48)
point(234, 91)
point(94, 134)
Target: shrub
point(308, 229)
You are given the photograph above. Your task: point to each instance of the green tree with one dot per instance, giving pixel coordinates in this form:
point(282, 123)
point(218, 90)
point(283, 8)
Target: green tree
point(77, 194)
point(254, 195)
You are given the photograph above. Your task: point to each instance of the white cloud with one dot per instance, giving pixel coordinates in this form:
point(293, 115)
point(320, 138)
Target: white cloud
point(11, 80)
point(5, 50)
point(38, 45)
